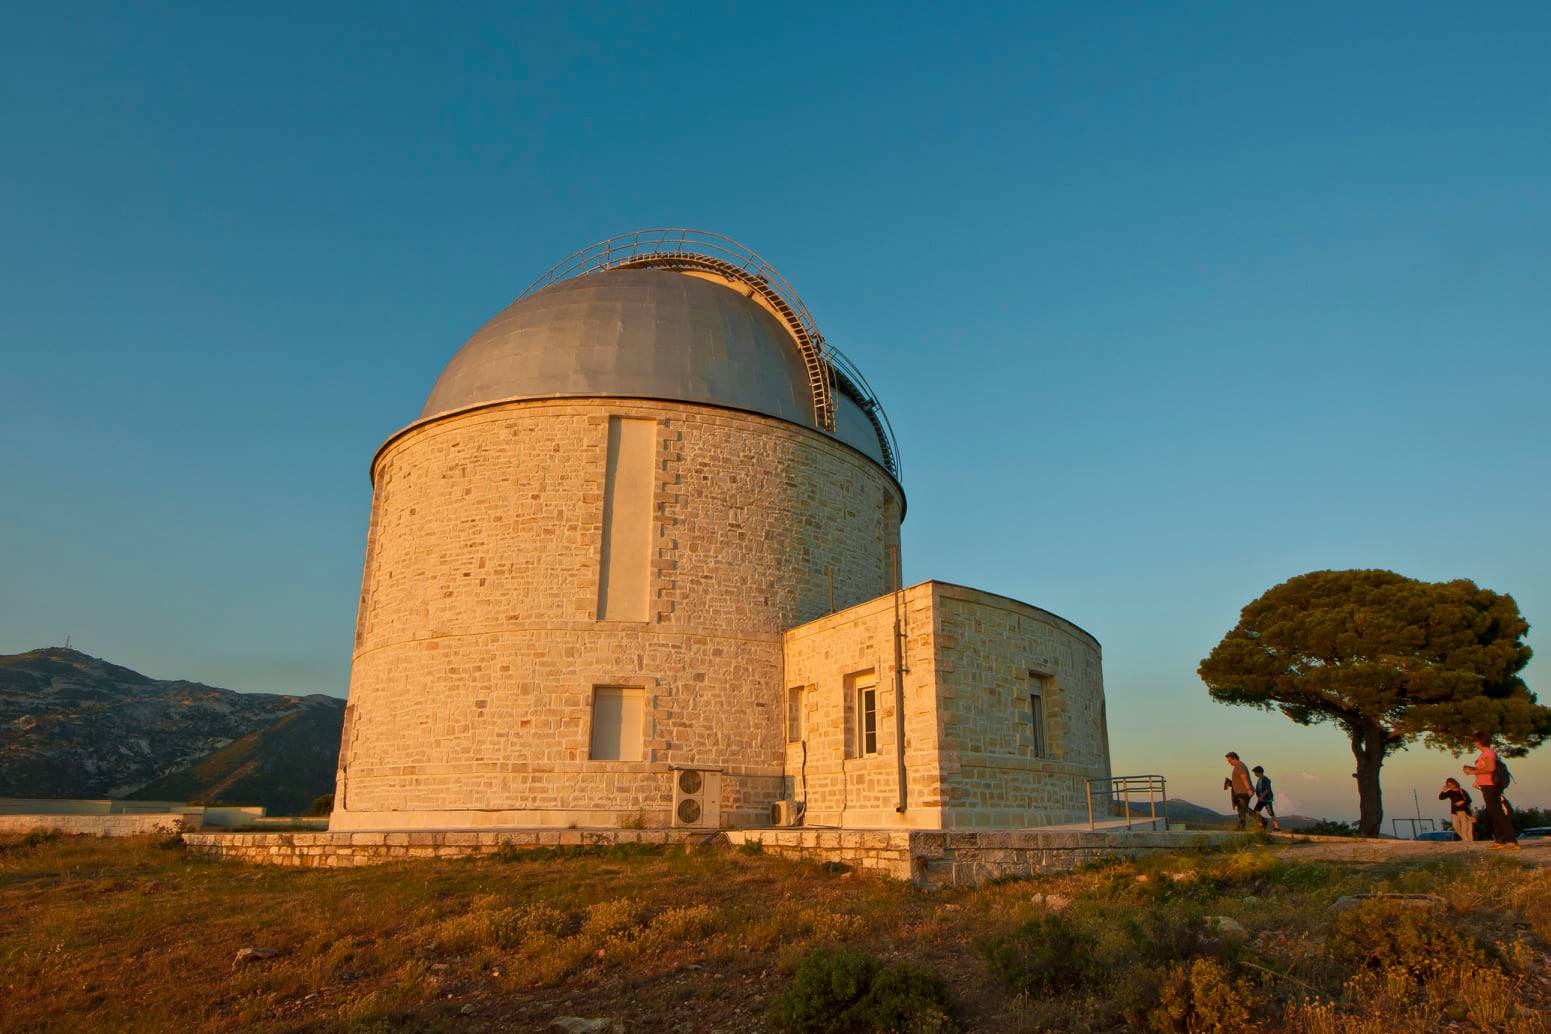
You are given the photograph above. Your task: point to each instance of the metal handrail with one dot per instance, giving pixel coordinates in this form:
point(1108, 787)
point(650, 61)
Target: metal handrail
point(1155, 787)
point(681, 247)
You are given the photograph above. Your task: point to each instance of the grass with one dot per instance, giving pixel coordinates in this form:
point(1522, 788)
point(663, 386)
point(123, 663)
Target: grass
point(133, 935)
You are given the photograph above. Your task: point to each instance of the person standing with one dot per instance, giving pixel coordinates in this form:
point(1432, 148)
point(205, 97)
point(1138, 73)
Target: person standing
point(1238, 784)
point(1460, 813)
point(1491, 780)
point(1265, 799)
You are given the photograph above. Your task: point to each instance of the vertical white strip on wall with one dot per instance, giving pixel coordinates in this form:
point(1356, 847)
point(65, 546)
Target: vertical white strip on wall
point(625, 566)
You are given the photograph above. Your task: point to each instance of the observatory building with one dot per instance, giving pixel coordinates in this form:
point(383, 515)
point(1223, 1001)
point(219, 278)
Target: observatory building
point(635, 564)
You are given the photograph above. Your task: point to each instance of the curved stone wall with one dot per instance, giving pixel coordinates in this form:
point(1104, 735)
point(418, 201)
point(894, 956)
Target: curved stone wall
point(479, 641)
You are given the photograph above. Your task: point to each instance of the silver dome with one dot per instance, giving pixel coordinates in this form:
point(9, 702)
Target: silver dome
point(641, 333)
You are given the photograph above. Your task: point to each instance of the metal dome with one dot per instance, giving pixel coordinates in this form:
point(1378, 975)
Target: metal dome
point(665, 315)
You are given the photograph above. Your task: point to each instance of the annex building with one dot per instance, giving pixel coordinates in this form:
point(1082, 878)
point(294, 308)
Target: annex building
point(634, 565)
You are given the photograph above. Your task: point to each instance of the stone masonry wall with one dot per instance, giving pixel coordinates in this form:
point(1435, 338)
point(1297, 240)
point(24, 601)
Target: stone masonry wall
point(969, 735)
point(478, 644)
point(931, 859)
point(987, 646)
point(824, 767)
point(98, 825)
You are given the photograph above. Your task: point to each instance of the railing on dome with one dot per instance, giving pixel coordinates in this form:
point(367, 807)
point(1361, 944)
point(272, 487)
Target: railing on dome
point(680, 248)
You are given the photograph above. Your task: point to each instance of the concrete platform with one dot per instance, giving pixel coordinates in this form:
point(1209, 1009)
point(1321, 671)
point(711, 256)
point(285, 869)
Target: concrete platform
point(930, 858)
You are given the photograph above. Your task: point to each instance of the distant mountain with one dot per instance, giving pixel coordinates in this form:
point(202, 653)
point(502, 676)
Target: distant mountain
point(77, 726)
point(1197, 817)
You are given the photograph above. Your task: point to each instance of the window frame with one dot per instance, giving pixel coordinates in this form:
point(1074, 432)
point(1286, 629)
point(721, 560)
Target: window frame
point(795, 719)
point(626, 737)
point(1040, 686)
point(867, 719)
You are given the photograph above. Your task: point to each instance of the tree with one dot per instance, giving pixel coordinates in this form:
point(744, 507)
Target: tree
point(1390, 660)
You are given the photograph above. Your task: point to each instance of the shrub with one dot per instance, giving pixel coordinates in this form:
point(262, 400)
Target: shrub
point(1385, 935)
point(499, 927)
point(751, 847)
point(683, 924)
point(611, 917)
point(1330, 828)
point(836, 990)
point(167, 837)
point(321, 806)
point(1162, 935)
point(904, 998)
point(1198, 997)
point(826, 993)
point(792, 923)
point(38, 837)
point(1045, 955)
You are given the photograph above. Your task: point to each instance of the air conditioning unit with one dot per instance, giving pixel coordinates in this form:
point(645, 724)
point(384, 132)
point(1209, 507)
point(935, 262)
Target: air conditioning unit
point(783, 813)
point(697, 797)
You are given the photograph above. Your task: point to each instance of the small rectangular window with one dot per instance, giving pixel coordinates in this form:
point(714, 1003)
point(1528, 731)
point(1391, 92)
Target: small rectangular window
point(859, 701)
point(867, 720)
point(794, 714)
point(1041, 742)
point(616, 723)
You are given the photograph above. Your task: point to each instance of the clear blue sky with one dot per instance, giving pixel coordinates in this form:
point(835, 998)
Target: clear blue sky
point(1166, 307)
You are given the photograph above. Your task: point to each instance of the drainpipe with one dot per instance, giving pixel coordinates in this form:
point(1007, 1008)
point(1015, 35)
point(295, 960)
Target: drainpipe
point(899, 683)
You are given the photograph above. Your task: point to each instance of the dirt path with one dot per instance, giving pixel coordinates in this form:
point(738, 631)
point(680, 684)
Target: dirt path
point(1351, 849)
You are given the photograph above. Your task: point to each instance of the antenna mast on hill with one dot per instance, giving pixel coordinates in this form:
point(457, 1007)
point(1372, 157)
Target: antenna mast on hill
point(67, 642)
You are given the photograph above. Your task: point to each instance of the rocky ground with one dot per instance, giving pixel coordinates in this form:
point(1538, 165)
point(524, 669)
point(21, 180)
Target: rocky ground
point(1317, 938)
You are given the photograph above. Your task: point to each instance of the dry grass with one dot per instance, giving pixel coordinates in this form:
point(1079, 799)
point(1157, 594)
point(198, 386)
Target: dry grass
point(124, 935)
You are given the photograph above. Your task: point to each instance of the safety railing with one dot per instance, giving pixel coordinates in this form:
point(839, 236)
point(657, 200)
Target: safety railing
point(1108, 794)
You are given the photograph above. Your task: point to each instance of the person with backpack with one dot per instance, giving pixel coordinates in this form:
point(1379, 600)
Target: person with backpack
point(1460, 813)
point(1492, 778)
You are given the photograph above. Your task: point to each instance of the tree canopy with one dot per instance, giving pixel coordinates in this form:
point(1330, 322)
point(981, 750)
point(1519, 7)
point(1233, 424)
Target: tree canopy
point(1387, 658)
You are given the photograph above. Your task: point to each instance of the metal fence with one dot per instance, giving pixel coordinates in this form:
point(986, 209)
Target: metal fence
point(1113, 796)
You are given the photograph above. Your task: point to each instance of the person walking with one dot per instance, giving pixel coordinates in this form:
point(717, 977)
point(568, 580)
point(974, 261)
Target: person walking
point(1492, 779)
point(1265, 799)
point(1460, 809)
point(1238, 784)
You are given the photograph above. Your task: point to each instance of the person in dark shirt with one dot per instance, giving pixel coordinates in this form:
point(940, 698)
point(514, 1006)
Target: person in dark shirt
point(1265, 798)
point(1460, 813)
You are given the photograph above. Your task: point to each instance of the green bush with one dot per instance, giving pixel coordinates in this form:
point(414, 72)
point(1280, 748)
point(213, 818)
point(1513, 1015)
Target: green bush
point(1167, 935)
point(1044, 955)
point(1386, 934)
point(908, 999)
point(1330, 828)
point(39, 837)
point(321, 806)
point(168, 837)
point(838, 990)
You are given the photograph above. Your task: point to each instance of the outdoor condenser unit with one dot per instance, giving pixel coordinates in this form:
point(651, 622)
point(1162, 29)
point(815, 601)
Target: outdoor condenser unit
point(697, 797)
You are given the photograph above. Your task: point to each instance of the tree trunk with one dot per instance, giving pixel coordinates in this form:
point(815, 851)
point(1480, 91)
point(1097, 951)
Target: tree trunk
point(1368, 748)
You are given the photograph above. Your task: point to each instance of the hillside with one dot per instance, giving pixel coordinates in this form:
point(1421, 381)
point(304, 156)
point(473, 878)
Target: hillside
point(78, 726)
point(1197, 817)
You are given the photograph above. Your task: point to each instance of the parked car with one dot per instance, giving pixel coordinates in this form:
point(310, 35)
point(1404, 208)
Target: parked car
point(1535, 832)
point(1437, 834)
